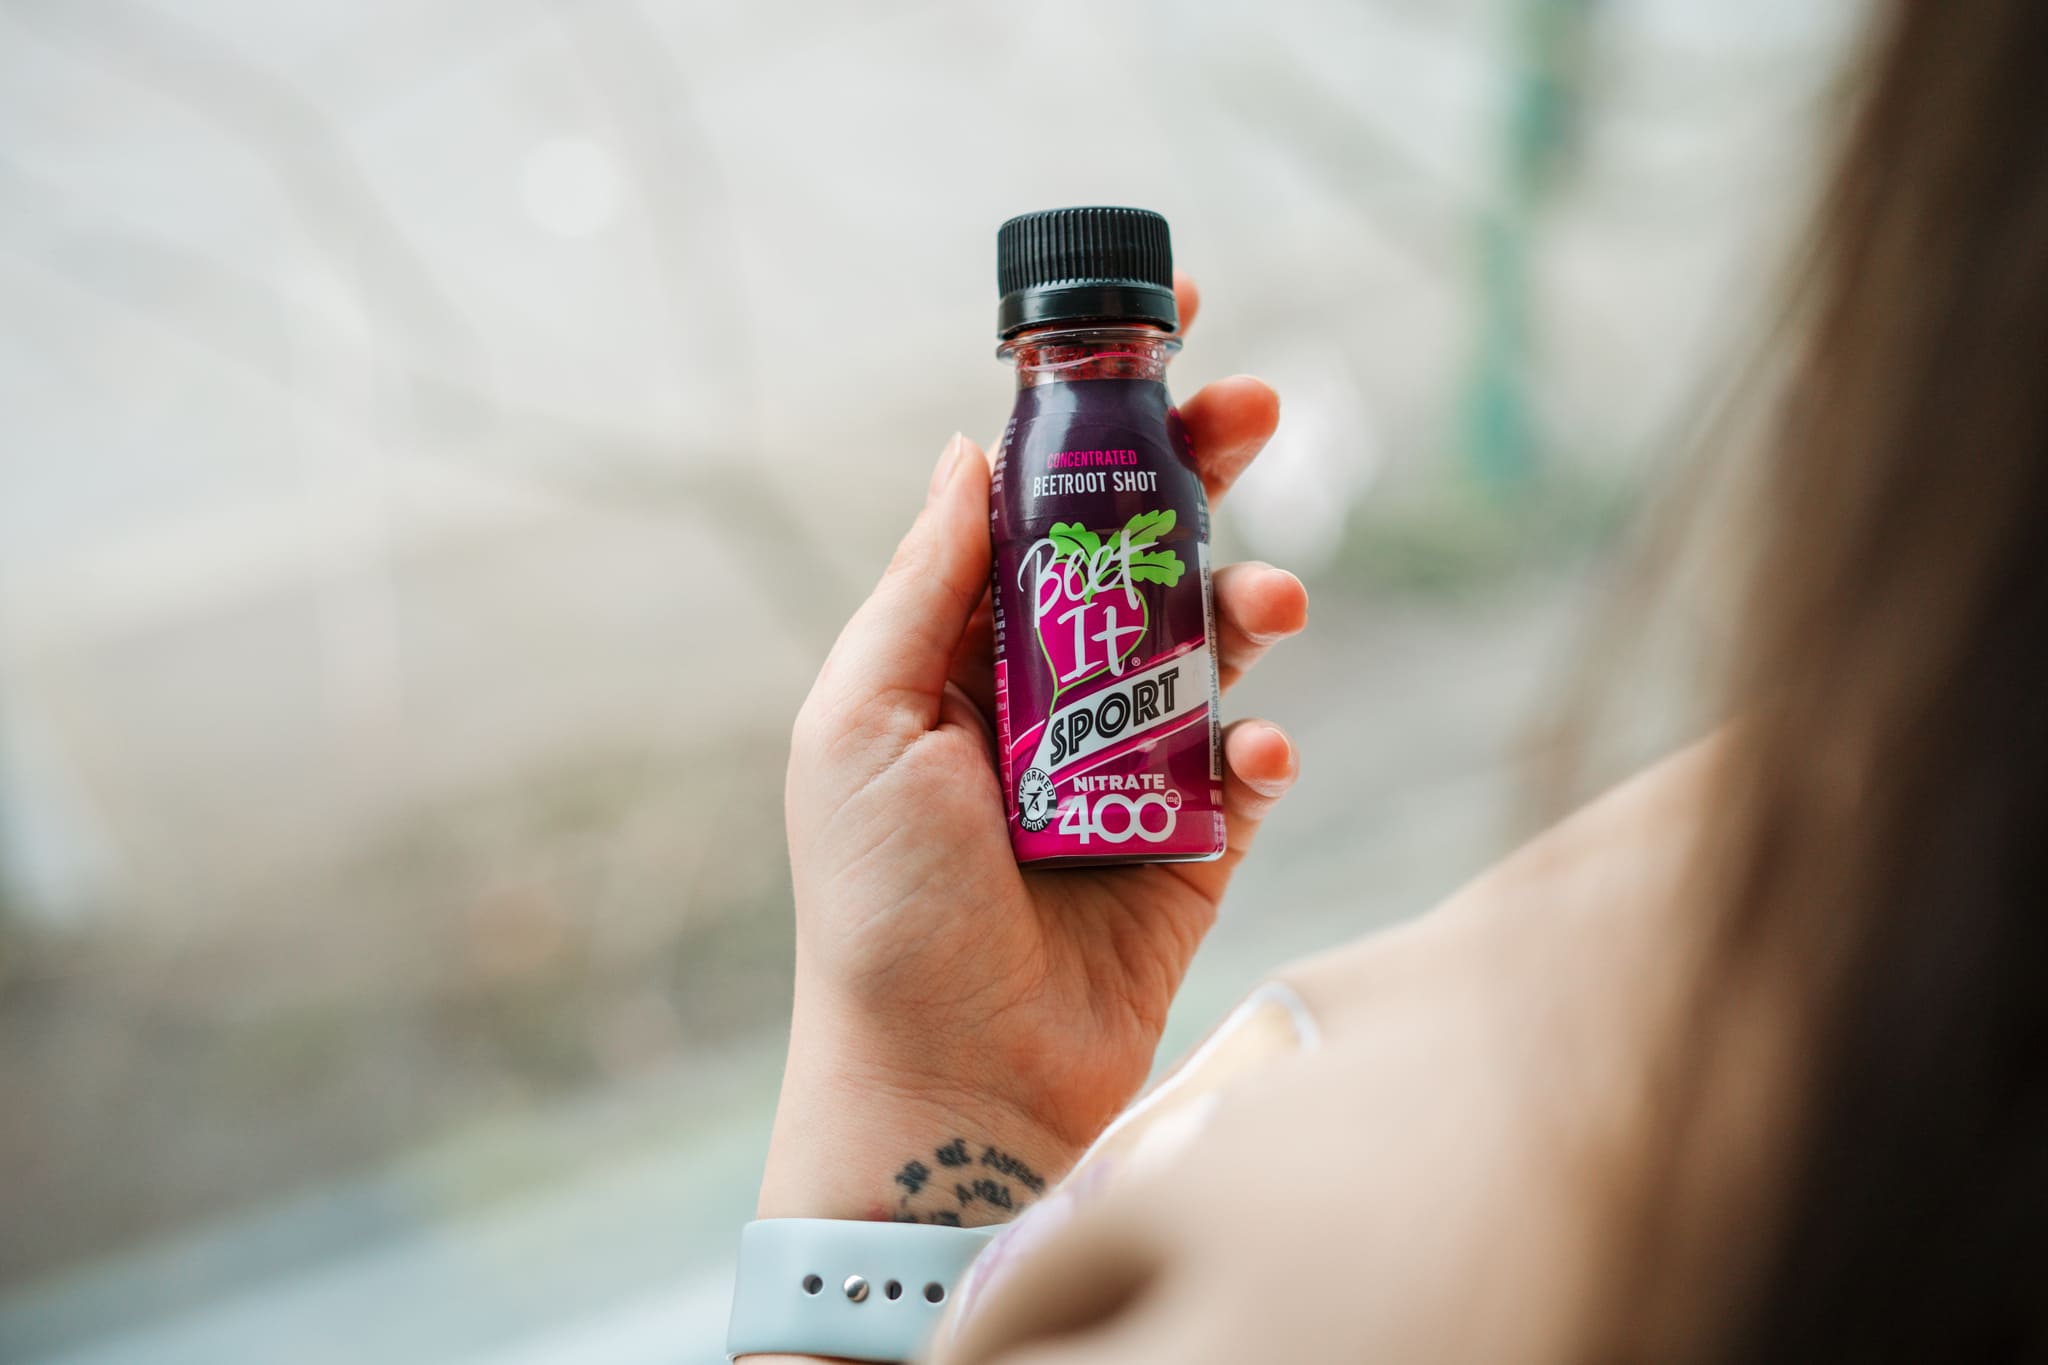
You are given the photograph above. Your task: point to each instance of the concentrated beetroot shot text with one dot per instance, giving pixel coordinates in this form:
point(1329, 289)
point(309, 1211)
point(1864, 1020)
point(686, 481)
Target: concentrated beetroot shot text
point(1105, 670)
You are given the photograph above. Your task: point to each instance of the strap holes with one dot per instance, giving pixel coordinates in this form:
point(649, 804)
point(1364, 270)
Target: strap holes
point(934, 1292)
point(893, 1289)
point(812, 1284)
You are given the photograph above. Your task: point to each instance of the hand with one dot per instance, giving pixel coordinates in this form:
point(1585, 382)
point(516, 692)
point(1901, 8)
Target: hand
point(941, 992)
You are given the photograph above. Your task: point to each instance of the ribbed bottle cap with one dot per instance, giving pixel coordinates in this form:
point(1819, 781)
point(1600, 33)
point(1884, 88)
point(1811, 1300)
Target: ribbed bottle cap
point(1084, 265)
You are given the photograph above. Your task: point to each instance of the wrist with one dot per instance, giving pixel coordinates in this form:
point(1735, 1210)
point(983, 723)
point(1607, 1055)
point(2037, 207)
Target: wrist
point(855, 1139)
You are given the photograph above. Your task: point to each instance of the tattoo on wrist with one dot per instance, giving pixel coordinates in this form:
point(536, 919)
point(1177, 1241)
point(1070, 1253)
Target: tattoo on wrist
point(952, 1180)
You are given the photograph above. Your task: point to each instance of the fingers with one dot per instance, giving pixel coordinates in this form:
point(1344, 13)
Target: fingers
point(1230, 421)
point(1257, 606)
point(1187, 300)
point(889, 666)
point(1259, 765)
point(1228, 424)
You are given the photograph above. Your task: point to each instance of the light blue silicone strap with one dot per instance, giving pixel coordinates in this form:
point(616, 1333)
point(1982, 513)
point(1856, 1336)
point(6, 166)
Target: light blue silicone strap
point(822, 1286)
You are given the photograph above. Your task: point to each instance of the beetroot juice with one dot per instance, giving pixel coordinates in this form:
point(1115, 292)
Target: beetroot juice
point(1105, 634)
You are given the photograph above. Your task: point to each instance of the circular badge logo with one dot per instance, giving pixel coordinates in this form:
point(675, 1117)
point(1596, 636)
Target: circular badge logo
point(1036, 800)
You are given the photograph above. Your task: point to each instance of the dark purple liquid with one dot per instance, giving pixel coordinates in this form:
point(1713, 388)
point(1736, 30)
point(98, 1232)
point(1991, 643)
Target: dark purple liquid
point(1105, 675)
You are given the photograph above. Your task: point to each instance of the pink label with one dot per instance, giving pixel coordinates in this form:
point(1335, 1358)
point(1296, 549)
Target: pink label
point(1105, 675)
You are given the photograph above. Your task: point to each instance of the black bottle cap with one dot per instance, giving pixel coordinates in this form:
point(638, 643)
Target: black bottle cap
point(1103, 265)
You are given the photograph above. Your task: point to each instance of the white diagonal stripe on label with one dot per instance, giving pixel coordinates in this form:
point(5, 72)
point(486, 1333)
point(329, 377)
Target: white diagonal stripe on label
point(1144, 701)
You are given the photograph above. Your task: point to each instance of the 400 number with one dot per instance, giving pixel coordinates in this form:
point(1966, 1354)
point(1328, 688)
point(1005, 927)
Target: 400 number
point(1115, 818)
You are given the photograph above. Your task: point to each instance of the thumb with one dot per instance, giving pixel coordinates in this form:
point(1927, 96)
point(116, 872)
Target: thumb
point(888, 669)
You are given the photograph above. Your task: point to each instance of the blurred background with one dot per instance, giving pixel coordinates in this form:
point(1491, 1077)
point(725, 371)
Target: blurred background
point(441, 439)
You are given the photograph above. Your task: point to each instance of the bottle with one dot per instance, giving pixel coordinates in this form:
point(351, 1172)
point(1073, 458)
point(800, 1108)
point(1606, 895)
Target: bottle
point(1106, 690)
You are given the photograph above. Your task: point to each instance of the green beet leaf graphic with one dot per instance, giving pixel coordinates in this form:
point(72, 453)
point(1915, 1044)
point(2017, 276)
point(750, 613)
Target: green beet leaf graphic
point(1083, 548)
point(1074, 541)
point(1147, 527)
point(1155, 566)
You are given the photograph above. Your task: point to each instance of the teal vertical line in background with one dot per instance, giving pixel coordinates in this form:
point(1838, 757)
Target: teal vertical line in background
point(1502, 446)
point(1499, 442)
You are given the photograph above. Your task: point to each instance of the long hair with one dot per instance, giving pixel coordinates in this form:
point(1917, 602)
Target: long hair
point(1877, 855)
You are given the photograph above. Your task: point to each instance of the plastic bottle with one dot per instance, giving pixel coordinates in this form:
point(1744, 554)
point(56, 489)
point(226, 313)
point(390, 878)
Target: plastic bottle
point(1106, 693)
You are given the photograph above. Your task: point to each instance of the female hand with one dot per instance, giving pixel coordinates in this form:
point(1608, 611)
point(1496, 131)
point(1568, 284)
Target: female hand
point(963, 1028)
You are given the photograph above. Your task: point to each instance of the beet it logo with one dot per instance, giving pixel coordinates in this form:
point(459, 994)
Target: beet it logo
point(1085, 603)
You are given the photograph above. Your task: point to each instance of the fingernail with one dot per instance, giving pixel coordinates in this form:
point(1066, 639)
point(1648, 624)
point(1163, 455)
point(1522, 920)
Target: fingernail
point(1276, 786)
point(949, 459)
point(1279, 734)
point(1300, 588)
point(1293, 761)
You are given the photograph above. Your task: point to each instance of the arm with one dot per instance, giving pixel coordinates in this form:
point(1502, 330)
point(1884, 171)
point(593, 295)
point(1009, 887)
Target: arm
point(963, 1028)
point(1440, 1180)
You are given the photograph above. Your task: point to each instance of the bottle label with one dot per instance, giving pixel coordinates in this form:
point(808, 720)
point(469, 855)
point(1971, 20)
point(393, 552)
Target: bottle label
point(1105, 676)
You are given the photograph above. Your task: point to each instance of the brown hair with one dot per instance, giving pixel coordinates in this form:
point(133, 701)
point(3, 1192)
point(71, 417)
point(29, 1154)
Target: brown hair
point(1878, 853)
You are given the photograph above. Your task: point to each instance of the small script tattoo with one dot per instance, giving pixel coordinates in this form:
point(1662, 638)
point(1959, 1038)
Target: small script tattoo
point(1008, 1165)
point(1009, 1186)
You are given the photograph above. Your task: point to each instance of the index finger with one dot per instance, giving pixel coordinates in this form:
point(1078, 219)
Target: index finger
point(1228, 424)
point(1187, 300)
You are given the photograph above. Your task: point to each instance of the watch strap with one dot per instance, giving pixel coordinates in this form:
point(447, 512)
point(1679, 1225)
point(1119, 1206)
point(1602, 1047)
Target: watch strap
point(838, 1287)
